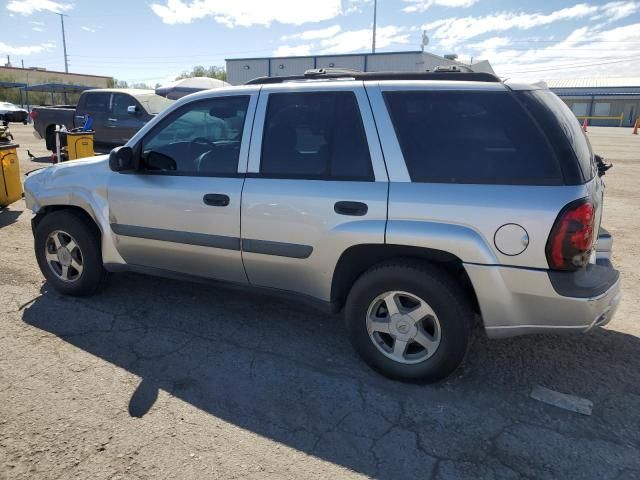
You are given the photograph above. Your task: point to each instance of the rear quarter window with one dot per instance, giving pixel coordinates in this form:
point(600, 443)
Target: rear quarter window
point(563, 130)
point(470, 137)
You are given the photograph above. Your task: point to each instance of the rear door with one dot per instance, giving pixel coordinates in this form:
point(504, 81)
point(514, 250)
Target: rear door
point(316, 185)
point(95, 104)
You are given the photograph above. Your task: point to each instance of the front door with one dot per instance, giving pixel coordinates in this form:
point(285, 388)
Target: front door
point(122, 125)
point(316, 185)
point(181, 211)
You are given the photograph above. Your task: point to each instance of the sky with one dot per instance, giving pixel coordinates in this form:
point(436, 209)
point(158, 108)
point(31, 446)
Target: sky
point(153, 41)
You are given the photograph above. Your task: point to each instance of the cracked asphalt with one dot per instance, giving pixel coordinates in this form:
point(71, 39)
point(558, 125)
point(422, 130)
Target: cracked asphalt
point(155, 378)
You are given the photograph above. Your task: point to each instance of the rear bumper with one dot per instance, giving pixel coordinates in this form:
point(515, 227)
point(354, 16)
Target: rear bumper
point(518, 301)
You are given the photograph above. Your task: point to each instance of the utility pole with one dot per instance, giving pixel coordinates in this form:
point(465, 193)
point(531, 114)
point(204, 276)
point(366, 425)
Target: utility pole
point(64, 43)
point(375, 8)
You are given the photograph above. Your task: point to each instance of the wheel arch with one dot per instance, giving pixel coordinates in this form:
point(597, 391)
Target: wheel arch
point(74, 209)
point(357, 259)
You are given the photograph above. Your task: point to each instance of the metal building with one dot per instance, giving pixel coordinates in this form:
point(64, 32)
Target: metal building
point(612, 102)
point(241, 70)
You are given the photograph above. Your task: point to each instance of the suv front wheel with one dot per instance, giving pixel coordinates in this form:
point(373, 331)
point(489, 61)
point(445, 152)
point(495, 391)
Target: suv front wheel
point(409, 321)
point(68, 253)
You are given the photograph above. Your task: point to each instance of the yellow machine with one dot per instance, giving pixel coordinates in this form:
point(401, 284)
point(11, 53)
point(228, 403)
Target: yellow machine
point(80, 144)
point(10, 186)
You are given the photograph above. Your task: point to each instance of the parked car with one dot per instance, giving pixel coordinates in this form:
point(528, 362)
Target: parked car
point(12, 113)
point(117, 115)
point(414, 203)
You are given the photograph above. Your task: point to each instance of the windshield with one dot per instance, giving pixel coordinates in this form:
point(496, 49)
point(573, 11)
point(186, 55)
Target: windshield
point(153, 103)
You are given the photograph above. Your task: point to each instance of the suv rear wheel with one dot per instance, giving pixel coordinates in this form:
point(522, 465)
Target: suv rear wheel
point(409, 321)
point(68, 253)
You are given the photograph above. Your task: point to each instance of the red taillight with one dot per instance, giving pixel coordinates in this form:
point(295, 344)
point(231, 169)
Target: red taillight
point(571, 239)
point(32, 114)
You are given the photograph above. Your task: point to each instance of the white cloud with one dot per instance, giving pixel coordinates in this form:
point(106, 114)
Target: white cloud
point(452, 31)
point(355, 40)
point(25, 50)
point(291, 51)
point(37, 29)
point(247, 12)
point(584, 52)
point(614, 11)
point(27, 7)
point(424, 5)
point(313, 34)
point(88, 29)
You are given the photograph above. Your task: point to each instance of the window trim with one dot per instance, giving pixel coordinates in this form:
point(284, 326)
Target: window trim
point(171, 116)
point(378, 167)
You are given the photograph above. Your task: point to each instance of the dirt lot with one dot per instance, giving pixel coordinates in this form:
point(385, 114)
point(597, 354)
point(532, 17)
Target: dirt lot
point(159, 379)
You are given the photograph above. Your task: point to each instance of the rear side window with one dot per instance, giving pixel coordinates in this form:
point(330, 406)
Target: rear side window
point(315, 135)
point(97, 102)
point(562, 128)
point(470, 137)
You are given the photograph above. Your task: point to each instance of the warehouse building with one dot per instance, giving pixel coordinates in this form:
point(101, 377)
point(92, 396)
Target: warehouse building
point(613, 102)
point(33, 76)
point(241, 70)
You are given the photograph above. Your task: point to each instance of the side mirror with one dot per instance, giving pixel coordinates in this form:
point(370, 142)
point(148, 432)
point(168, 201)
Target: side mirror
point(133, 110)
point(121, 159)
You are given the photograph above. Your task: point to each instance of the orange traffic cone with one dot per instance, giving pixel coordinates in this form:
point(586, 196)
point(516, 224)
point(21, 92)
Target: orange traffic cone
point(635, 127)
point(584, 124)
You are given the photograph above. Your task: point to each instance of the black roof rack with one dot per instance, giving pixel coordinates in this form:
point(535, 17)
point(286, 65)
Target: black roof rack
point(459, 73)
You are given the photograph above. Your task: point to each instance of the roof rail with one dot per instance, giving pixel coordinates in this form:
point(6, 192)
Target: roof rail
point(454, 72)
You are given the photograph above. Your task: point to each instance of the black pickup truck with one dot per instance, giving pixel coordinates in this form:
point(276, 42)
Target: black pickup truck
point(117, 115)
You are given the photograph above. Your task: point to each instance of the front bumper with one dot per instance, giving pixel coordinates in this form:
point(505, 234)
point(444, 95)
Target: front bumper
point(518, 301)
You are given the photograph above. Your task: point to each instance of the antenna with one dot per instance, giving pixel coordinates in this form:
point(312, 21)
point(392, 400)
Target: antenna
point(425, 39)
point(375, 10)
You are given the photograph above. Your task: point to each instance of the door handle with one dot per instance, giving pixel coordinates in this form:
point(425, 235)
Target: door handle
point(216, 199)
point(355, 209)
point(112, 119)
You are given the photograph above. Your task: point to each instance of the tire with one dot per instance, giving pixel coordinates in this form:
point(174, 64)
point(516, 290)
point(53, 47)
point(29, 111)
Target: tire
point(50, 139)
point(85, 273)
point(442, 318)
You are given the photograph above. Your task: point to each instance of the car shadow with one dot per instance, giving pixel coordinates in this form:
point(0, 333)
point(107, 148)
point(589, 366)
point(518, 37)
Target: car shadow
point(9, 216)
point(287, 373)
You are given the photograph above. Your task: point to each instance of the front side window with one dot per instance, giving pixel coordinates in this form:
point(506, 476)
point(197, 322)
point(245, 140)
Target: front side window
point(470, 137)
point(120, 105)
point(315, 135)
point(202, 138)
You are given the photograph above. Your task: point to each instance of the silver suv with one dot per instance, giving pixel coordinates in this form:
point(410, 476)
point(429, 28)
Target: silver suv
point(416, 203)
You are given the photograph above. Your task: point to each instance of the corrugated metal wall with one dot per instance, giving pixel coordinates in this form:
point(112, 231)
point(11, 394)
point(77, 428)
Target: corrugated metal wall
point(610, 106)
point(281, 67)
point(353, 62)
point(241, 71)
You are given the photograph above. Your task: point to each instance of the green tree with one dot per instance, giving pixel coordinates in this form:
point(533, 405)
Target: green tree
point(199, 71)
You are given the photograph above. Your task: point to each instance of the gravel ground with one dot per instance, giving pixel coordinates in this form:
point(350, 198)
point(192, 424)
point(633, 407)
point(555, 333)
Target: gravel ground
point(160, 379)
